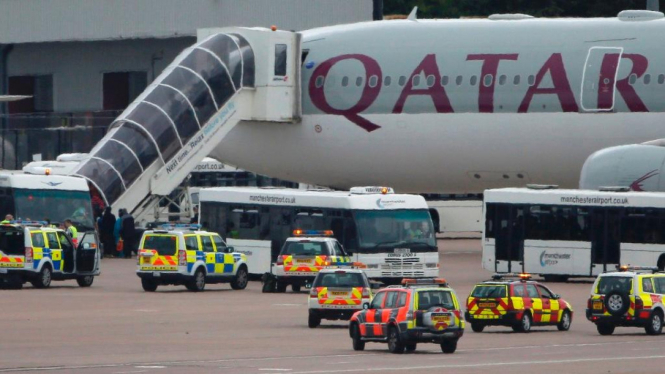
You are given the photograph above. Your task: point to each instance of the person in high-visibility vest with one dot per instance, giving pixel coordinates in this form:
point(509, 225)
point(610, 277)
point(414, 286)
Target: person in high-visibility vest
point(71, 231)
point(8, 219)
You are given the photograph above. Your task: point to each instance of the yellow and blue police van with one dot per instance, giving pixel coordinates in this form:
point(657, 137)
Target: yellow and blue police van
point(32, 252)
point(183, 254)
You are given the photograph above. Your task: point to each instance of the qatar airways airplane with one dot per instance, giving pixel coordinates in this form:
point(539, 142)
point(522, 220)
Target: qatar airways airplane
point(459, 106)
point(425, 106)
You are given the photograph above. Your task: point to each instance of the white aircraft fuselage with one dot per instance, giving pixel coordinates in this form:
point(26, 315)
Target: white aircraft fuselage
point(459, 106)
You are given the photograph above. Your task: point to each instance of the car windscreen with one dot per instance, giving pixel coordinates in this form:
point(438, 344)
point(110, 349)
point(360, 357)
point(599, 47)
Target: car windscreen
point(339, 279)
point(165, 245)
point(609, 284)
point(305, 248)
point(431, 298)
point(12, 241)
point(490, 291)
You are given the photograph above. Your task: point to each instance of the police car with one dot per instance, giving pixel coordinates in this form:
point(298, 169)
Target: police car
point(518, 303)
point(338, 293)
point(304, 255)
point(420, 311)
point(185, 255)
point(632, 297)
point(32, 252)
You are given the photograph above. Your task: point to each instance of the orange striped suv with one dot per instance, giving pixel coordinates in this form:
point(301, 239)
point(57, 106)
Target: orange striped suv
point(631, 297)
point(420, 311)
point(337, 294)
point(517, 303)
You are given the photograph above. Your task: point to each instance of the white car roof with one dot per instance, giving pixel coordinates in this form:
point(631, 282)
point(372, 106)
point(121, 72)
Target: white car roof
point(346, 270)
point(311, 239)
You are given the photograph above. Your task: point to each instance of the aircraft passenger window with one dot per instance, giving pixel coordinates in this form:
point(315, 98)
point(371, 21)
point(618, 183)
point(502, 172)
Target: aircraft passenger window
point(444, 80)
point(430, 80)
point(345, 81)
point(416, 81)
point(280, 60)
point(473, 80)
point(373, 80)
point(387, 81)
point(359, 81)
point(502, 80)
point(458, 80)
point(661, 78)
point(487, 80)
point(532, 80)
point(516, 80)
point(402, 80)
point(647, 78)
point(319, 81)
point(632, 79)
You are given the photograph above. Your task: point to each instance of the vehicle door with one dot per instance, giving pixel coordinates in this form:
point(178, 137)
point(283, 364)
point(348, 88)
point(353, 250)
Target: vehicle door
point(87, 253)
point(536, 302)
point(389, 308)
point(41, 251)
point(340, 257)
point(550, 305)
point(53, 246)
point(159, 252)
point(659, 288)
point(210, 255)
point(68, 252)
point(648, 292)
point(12, 248)
point(370, 325)
point(224, 257)
point(193, 249)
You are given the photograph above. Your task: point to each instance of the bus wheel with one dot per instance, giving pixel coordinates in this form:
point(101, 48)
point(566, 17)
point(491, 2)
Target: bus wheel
point(85, 281)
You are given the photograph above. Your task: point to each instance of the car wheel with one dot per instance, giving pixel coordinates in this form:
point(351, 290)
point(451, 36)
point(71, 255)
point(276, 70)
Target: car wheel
point(358, 344)
point(239, 282)
point(295, 287)
point(654, 324)
point(617, 303)
point(197, 284)
point(524, 324)
point(281, 287)
point(564, 324)
point(605, 329)
point(313, 321)
point(410, 347)
point(44, 277)
point(449, 346)
point(477, 327)
point(395, 344)
point(85, 281)
point(148, 285)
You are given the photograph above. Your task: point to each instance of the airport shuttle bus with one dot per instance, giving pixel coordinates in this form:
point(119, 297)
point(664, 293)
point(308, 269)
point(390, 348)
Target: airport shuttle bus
point(391, 233)
point(572, 233)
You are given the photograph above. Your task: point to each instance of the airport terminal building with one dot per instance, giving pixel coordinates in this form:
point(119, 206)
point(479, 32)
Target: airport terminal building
point(84, 61)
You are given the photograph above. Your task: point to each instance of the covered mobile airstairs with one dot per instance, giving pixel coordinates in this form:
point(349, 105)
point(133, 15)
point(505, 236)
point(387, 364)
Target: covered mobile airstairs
point(230, 75)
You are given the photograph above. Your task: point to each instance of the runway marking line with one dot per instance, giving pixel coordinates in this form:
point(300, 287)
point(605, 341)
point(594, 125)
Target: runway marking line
point(185, 362)
point(462, 366)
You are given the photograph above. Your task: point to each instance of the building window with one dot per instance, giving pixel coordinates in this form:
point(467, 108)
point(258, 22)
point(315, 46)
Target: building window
point(120, 89)
point(40, 87)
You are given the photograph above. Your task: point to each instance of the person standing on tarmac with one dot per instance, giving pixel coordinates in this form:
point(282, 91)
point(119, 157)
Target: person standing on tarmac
point(106, 234)
point(128, 234)
point(71, 231)
point(116, 232)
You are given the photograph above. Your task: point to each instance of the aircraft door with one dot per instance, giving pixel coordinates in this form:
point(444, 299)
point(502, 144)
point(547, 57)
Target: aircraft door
point(599, 79)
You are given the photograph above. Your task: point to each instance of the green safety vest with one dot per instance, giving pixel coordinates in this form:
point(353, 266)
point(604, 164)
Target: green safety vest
point(73, 231)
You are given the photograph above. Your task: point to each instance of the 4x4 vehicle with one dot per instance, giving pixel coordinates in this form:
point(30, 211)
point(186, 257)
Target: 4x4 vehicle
point(518, 303)
point(183, 255)
point(337, 294)
point(303, 255)
point(632, 296)
point(420, 311)
point(32, 252)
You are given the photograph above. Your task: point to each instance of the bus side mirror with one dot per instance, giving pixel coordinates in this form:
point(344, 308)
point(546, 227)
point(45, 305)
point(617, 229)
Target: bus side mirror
point(365, 306)
point(556, 297)
point(374, 285)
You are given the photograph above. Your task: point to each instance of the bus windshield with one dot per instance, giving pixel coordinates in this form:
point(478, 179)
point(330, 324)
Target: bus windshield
point(384, 230)
point(54, 205)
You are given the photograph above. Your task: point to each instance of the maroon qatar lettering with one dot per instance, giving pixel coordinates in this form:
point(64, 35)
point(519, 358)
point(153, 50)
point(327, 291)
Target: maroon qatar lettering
point(553, 68)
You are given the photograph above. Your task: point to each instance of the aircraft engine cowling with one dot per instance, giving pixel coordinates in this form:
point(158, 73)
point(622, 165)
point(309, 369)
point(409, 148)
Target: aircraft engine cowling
point(638, 166)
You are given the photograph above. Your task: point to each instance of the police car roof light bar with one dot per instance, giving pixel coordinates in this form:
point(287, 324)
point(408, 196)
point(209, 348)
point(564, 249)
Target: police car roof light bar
point(637, 268)
point(181, 226)
point(28, 223)
point(421, 281)
point(301, 232)
point(522, 276)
